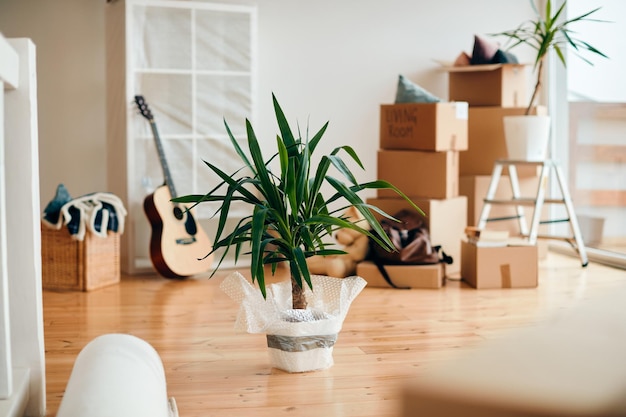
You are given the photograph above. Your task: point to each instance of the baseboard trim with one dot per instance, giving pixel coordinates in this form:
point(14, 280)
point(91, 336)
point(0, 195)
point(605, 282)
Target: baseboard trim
point(15, 405)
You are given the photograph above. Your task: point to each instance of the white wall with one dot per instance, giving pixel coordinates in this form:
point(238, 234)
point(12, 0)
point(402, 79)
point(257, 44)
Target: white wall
point(69, 36)
point(339, 61)
point(327, 59)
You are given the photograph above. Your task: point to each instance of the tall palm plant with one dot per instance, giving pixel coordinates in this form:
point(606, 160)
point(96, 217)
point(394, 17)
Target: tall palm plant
point(290, 218)
point(546, 33)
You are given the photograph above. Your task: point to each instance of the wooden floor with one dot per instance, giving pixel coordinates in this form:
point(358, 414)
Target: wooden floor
point(388, 337)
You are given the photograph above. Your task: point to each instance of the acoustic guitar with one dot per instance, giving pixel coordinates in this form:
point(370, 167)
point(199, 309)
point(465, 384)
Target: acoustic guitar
point(178, 244)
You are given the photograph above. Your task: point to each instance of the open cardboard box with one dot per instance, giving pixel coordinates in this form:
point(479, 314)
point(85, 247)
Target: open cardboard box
point(503, 85)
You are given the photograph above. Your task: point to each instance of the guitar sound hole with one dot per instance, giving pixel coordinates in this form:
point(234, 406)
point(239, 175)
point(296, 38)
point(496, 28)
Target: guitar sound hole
point(178, 213)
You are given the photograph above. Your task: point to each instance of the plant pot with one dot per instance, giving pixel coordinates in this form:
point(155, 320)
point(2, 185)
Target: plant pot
point(298, 340)
point(302, 344)
point(527, 137)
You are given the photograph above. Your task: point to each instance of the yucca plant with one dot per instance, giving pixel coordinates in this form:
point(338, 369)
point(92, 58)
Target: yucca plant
point(290, 218)
point(546, 33)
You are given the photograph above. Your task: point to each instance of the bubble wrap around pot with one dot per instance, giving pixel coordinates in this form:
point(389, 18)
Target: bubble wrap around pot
point(329, 303)
point(327, 307)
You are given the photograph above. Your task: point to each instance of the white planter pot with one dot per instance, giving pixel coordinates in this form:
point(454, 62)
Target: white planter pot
point(297, 340)
point(527, 137)
point(301, 354)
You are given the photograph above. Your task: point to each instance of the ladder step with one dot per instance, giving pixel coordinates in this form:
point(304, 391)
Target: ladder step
point(554, 201)
point(553, 237)
point(497, 219)
point(505, 162)
point(554, 221)
point(524, 201)
point(512, 202)
point(537, 201)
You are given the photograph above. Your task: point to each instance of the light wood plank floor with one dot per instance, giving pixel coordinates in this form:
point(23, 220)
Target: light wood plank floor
point(389, 336)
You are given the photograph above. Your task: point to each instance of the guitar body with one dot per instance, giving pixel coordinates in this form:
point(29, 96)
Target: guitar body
point(178, 245)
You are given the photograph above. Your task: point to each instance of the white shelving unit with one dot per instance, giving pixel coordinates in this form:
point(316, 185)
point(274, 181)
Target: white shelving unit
point(194, 63)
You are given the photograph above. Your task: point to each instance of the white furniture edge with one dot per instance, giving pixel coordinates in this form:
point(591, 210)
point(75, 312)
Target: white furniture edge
point(22, 384)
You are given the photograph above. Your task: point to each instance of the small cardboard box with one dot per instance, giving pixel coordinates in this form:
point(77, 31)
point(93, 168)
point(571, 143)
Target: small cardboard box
point(499, 267)
point(503, 85)
point(445, 219)
point(487, 143)
point(424, 126)
point(411, 276)
point(420, 173)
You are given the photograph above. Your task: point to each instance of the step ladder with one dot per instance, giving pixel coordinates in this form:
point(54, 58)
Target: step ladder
point(532, 234)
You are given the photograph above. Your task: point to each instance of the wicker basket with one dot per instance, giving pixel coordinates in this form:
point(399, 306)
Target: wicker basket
point(69, 264)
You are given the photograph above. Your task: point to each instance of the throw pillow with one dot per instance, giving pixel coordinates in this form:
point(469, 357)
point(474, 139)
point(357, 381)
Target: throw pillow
point(484, 51)
point(504, 57)
point(409, 92)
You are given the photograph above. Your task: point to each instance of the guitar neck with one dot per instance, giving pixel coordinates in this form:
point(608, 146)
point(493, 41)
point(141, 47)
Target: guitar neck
point(166, 171)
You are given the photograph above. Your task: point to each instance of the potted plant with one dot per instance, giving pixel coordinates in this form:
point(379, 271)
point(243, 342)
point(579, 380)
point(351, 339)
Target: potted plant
point(289, 222)
point(546, 32)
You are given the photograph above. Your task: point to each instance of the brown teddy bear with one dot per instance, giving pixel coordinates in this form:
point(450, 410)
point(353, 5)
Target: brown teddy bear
point(355, 244)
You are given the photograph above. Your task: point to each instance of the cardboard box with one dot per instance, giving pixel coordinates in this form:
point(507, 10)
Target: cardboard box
point(424, 126)
point(487, 143)
point(499, 267)
point(411, 276)
point(502, 85)
point(420, 173)
point(446, 222)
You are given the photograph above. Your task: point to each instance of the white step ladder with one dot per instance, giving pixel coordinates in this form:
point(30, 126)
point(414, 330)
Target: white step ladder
point(532, 234)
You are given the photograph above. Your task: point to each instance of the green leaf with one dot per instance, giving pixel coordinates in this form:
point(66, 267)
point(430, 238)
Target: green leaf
point(350, 151)
point(267, 187)
point(326, 252)
point(258, 246)
point(302, 266)
point(283, 156)
point(318, 179)
point(238, 149)
point(283, 125)
point(303, 173)
point(316, 139)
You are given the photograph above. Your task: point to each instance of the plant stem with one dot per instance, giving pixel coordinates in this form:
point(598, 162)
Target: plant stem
point(537, 86)
point(297, 296)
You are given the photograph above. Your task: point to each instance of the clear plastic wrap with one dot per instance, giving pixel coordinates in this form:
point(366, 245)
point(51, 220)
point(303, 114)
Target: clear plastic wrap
point(298, 340)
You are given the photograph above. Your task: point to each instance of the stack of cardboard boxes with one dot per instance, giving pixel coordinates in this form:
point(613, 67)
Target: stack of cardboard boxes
point(493, 91)
point(419, 153)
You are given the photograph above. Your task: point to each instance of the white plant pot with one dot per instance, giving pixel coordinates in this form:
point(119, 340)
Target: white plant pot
point(527, 137)
point(301, 354)
point(297, 340)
